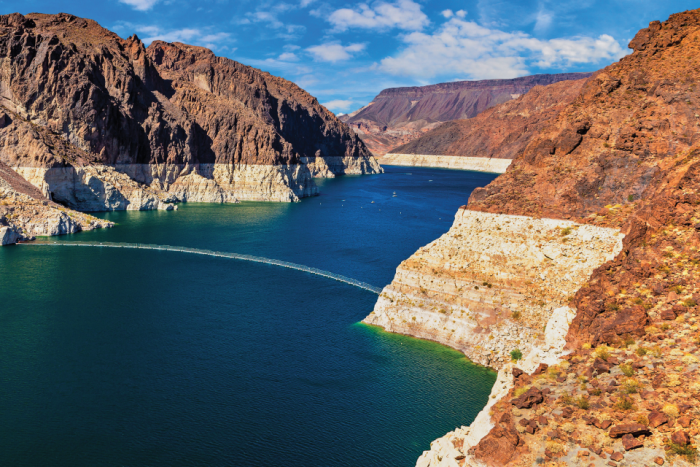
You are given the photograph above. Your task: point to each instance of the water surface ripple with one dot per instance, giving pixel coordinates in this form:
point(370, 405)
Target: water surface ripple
point(121, 357)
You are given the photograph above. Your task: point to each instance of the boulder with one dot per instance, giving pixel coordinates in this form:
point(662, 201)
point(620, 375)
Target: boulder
point(500, 445)
point(681, 438)
point(634, 429)
point(531, 397)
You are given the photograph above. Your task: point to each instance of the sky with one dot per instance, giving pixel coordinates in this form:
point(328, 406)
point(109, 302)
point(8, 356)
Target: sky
point(344, 53)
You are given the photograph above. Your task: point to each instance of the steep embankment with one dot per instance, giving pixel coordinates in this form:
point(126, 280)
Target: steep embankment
point(99, 123)
point(25, 212)
point(489, 141)
point(399, 115)
point(622, 159)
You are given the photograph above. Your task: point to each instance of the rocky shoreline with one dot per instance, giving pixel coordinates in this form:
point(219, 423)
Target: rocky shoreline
point(476, 164)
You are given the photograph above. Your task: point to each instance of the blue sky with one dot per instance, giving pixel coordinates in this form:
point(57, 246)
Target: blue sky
point(344, 52)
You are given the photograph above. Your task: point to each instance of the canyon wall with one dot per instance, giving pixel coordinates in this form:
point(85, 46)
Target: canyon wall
point(399, 115)
point(613, 378)
point(97, 122)
point(25, 212)
point(497, 134)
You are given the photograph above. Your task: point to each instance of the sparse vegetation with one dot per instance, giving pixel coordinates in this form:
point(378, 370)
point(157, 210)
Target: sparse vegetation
point(516, 355)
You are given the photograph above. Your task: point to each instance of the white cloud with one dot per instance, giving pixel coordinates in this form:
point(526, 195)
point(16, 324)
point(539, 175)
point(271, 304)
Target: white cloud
point(271, 16)
point(338, 104)
point(288, 57)
point(461, 13)
point(447, 13)
point(466, 48)
point(333, 52)
point(140, 5)
point(403, 14)
point(305, 3)
point(194, 36)
point(543, 20)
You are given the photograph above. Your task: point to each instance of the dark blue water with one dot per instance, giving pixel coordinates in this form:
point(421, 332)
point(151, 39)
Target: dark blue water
point(129, 357)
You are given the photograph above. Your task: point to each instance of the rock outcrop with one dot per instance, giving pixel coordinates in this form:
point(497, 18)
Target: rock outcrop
point(619, 383)
point(99, 123)
point(500, 132)
point(26, 213)
point(399, 115)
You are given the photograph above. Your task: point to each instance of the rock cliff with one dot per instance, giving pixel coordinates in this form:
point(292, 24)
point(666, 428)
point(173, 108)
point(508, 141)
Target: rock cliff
point(618, 386)
point(99, 123)
point(497, 133)
point(399, 115)
point(26, 213)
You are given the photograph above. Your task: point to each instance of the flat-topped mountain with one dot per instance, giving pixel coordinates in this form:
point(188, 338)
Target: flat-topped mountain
point(98, 122)
point(501, 131)
point(398, 115)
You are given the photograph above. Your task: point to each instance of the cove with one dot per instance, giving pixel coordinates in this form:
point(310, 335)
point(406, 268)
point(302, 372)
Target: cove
point(135, 357)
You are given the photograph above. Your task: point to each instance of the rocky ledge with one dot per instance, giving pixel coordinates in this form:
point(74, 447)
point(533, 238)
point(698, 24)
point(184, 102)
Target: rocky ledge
point(620, 386)
point(26, 213)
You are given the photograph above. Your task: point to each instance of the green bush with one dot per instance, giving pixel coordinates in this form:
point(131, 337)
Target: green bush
point(516, 354)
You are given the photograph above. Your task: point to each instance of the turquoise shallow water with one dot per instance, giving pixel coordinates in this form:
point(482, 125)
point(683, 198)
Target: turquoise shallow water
point(132, 357)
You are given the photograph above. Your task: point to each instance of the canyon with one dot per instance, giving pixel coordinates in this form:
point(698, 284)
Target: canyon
point(397, 116)
point(98, 123)
point(576, 274)
point(490, 140)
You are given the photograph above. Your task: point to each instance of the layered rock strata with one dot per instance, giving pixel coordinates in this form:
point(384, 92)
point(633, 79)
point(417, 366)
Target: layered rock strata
point(399, 115)
point(26, 213)
point(478, 164)
point(82, 108)
point(492, 282)
point(624, 155)
point(500, 132)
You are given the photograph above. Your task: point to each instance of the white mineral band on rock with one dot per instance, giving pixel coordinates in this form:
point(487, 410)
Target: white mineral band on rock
point(477, 164)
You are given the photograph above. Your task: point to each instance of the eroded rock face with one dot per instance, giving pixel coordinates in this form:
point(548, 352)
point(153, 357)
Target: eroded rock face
point(77, 95)
point(501, 131)
point(25, 213)
point(488, 285)
point(399, 115)
point(624, 155)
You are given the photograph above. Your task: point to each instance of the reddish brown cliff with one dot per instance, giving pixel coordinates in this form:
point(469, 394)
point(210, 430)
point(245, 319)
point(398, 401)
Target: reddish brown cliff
point(501, 131)
point(173, 118)
point(399, 115)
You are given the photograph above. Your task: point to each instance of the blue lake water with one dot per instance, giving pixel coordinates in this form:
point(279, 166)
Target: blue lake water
point(147, 358)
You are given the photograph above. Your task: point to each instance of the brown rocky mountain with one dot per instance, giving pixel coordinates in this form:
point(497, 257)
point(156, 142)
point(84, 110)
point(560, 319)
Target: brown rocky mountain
point(399, 115)
point(98, 122)
point(577, 274)
point(501, 131)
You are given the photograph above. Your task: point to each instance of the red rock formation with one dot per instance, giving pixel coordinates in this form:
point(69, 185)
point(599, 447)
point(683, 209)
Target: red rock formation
point(101, 99)
point(501, 131)
point(399, 115)
point(623, 154)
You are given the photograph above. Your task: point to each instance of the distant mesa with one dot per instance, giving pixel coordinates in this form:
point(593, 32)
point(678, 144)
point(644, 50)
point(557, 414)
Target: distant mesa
point(399, 115)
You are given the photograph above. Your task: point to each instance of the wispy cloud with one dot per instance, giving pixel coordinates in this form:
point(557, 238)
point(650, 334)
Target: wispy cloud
point(272, 16)
point(140, 5)
point(403, 14)
point(215, 40)
point(465, 48)
point(338, 105)
point(334, 52)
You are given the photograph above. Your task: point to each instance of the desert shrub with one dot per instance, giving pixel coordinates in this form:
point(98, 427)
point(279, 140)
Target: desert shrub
point(627, 369)
point(595, 392)
point(582, 403)
point(566, 231)
point(642, 419)
point(630, 198)
point(516, 354)
point(624, 403)
point(568, 427)
point(689, 452)
point(602, 352)
point(631, 386)
point(516, 315)
point(641, 351)
point(671, 410)
point(627, 340)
